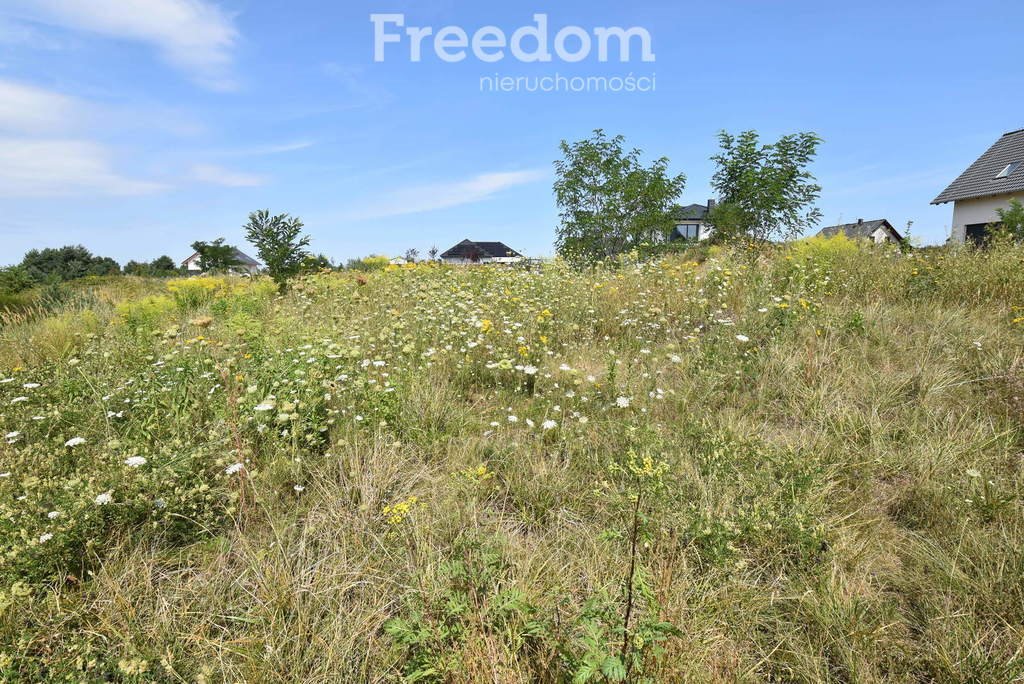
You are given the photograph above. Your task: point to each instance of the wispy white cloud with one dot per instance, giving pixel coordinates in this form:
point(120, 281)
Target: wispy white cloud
point(39, 159)
point(55, 167)
point(217, 175)
point(195, 36)
point(435, 196)
point(28, 109)
point(261, 150)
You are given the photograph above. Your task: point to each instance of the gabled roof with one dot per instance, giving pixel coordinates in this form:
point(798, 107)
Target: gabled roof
point(691, 212)
point(241, 257)
point(468, 249)
point(860, 229)
point(979, 180)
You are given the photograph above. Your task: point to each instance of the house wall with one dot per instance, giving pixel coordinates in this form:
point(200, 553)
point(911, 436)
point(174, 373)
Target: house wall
point(981, 210)
point(882, 236)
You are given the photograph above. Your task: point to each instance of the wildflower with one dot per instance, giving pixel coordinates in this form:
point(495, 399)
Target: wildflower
point(299, 489)
point(548, 424)
point(18, 400)
point(233, 468)
point(743, 338)
point(74, 441)
point(45, 537)
point(530, 370)
point(31, 385)
point(622, 402)
point(135, 461)
point(265, 406)
point(12, 435)
point(53, 515)
point(397, 513)
point(513, 419)
point(486, 325)
point(104, 499)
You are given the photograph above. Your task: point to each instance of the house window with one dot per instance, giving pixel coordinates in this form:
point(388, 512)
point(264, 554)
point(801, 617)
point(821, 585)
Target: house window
point(1010, 168)
point(688, 231)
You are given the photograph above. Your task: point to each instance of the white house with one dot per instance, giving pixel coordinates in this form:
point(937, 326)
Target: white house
point(245, 264)
point(879, 231)
point(691, 222)
point(470, 252)
point(987, 185)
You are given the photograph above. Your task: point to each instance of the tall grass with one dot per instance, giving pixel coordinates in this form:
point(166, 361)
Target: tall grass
point(804, 467)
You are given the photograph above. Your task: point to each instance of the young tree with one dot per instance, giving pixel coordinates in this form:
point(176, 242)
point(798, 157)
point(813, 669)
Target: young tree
point(14, 279)
point(765, 191)
point(1012, 219)
point(279, 242)
point(433, 252)
point(215, 256)
point(411, 255)
point(608, 201)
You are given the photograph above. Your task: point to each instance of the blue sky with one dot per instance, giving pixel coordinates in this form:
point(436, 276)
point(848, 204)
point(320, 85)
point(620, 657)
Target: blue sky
point(135, 127)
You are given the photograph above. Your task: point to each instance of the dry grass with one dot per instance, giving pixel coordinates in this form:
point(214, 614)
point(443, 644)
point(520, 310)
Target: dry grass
point(840, 501)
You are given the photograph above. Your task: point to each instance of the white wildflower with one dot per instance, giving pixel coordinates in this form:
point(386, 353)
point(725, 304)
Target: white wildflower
point(45, 537)
point(548, 424)
point(135, 461)
point(104, 499)
point(233, 468)
point(743, 338)
point(622, 402)
point(74, 441)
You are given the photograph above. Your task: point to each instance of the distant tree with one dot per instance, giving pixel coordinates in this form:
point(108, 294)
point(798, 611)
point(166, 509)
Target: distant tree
point(279, 242)
point(14, 279)
point(66, 263)
point(765, 191)
point(312, 263)
point(164, 266)
point(136, 268)
point(216, 256)
point(161, 267)
point(608, 201)
point(412, 254)
point(433, 252)
point(374, 262)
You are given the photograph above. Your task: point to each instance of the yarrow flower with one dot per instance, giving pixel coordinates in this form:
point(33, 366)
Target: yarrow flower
point(549, 424)
point(233, 468)
point(135, 461)
point(74, 441)
point(622, 402)
point(104, 499)
point(45, 537)
point(743, 338)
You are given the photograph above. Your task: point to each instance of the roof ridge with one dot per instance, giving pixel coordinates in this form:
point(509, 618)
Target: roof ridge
point(1019, 130)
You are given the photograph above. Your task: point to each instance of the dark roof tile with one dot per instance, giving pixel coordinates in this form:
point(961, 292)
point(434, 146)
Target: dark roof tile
point(979, 180)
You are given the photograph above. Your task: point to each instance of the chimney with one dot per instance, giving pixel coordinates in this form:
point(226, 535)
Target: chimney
point(711, 204)
point(860, 221)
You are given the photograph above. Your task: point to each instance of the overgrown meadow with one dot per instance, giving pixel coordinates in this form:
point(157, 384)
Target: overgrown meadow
point(800, 465)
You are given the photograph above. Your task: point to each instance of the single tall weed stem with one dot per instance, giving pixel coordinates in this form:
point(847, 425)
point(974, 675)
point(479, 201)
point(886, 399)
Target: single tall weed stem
point(634, 534)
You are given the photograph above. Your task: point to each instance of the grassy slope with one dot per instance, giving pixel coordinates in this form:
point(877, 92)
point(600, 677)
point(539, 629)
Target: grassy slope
point(836, 498)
